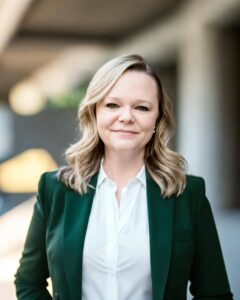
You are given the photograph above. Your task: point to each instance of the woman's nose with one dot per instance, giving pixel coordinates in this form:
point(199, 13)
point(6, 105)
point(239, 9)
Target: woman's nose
point(126, 115)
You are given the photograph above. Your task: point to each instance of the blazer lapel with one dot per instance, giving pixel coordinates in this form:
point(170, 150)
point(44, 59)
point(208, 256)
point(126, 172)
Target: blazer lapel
point(160, 213)
point(76, 216)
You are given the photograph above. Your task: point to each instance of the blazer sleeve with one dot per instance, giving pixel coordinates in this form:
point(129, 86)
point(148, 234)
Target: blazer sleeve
point(208, 278)
point(32, 274)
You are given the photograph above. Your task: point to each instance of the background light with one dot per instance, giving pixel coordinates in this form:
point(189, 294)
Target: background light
point(26, 98)
point(21, 173)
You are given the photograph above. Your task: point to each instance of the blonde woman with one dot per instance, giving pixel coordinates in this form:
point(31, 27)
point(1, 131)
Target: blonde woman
point(122, 221)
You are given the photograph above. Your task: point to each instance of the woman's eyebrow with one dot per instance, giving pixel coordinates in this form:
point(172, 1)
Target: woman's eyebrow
point(137, 100)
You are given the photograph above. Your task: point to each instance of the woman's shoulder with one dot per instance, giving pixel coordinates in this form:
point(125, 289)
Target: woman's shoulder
point(194, 187)
point(193, 182)
point(50, 190)
point(194, 194)
point(49, 178)
point(50, 182)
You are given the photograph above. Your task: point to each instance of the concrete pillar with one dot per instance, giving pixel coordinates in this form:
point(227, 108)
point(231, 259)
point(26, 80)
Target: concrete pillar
point(198, 108)
point(6, 131)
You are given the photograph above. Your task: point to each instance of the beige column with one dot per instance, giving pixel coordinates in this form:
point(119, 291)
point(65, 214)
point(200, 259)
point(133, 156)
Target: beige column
point(199, 108)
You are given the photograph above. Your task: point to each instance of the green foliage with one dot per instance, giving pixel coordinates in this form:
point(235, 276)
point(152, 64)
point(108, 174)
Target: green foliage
point(70, 99)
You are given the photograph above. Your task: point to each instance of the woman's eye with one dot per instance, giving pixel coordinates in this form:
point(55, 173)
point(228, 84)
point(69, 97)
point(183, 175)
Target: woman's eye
point(112, 105)
point(142, 108)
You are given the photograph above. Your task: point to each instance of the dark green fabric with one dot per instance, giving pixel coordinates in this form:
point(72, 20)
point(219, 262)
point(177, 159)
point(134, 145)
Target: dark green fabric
point(184, 244)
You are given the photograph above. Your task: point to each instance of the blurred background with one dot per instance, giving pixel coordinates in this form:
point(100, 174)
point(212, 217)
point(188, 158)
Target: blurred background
point(49, 49)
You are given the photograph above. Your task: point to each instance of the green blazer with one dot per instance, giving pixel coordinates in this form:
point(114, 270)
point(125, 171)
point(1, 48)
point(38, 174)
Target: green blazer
point(184, 244)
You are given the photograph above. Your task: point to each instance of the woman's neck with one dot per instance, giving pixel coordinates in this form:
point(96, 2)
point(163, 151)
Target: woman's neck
point(122, 168)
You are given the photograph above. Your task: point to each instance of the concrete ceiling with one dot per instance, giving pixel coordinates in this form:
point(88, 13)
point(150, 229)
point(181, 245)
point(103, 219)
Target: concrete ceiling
point(49, 26)
point(69, 38)
point(92, 19)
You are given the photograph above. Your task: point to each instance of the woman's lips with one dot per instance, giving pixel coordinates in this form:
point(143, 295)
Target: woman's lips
point(125, 131)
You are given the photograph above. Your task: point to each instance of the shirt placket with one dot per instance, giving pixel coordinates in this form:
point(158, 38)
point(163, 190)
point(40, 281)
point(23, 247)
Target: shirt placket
point(126, 207)
point(112, 245)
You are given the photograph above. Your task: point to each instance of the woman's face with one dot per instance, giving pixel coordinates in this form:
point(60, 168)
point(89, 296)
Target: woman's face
point(127, 116)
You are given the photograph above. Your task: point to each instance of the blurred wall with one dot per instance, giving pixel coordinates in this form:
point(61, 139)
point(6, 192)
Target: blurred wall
point(52, 130)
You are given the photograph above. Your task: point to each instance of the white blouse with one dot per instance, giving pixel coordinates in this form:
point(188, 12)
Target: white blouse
point(116, 257)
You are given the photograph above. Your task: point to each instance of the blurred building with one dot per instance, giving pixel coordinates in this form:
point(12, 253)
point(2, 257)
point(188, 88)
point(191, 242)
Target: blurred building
point(48, 48)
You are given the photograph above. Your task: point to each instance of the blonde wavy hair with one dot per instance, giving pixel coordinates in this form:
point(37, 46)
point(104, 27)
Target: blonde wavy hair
point(166, 167)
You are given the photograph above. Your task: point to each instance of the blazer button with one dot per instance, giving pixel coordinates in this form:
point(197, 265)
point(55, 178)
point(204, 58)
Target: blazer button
point(56, 297)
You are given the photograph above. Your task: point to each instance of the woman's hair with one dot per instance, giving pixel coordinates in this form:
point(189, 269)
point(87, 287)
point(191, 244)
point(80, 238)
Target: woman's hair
point(166, 167)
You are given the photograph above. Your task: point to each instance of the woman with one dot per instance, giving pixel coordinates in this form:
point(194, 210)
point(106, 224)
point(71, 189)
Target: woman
point(123, 220)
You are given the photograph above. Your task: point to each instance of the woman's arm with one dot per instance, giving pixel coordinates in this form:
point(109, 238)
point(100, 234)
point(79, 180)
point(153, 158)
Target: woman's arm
point(208, 274)
point(33, 270)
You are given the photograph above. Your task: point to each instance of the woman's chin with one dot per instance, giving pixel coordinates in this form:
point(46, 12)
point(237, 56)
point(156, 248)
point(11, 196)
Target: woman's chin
point(124, 147)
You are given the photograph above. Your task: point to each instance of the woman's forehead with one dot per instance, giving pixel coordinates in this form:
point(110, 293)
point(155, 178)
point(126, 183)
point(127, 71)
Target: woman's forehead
point(135, 83)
